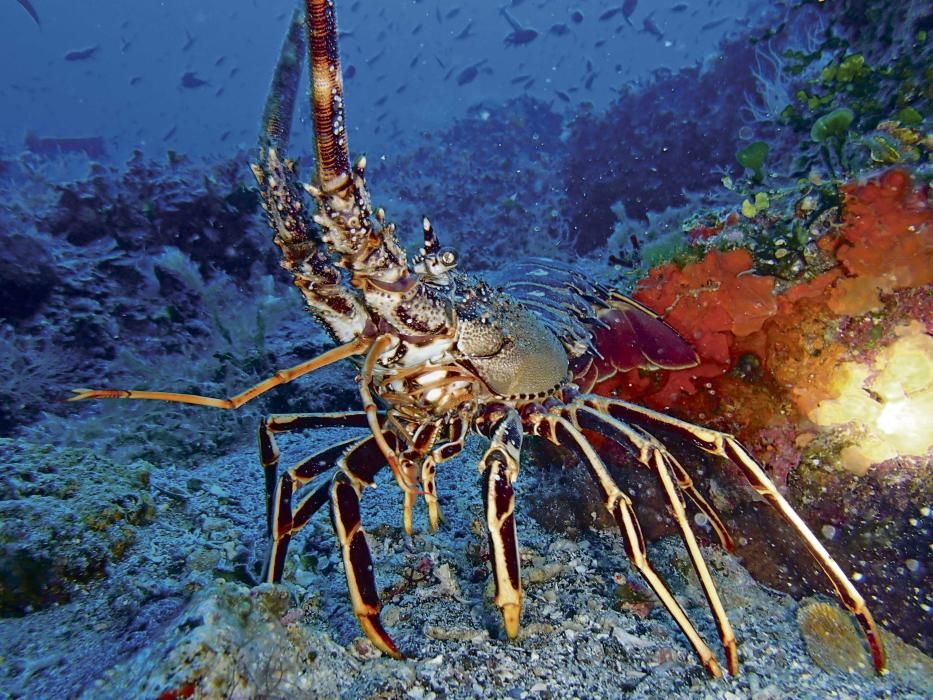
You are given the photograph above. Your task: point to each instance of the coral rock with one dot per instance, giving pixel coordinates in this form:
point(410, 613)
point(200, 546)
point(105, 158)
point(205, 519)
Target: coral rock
point(836, 646)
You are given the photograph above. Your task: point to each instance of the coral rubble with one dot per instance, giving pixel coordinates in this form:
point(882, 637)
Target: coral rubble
point(65, 516)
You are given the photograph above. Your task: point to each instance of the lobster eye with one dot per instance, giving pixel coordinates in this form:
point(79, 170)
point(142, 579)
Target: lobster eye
point(448, 257)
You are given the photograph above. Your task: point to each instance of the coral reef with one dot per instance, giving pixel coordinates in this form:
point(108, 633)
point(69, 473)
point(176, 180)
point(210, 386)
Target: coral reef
point(208, 213)
point(104, 271)
point(655, 136)
point(740, 321)
point(170, 632)
point(233, 642)
point(839, 75)
point(825, 376)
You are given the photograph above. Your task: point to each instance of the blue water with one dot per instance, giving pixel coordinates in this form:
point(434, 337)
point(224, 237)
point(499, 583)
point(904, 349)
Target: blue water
point(406, 57)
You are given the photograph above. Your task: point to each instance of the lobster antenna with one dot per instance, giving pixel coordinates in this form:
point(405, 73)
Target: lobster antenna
point(333, 161)
point(280, 106)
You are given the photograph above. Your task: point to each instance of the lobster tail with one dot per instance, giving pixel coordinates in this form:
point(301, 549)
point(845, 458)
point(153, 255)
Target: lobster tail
point(333, 161)
point(280, 105)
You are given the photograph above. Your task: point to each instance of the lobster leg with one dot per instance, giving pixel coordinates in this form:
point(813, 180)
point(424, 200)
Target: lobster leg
point(357, 559)
point(422, 441)
point(723, 626)
point(562, 432)
point(649, 452)
point(499, 467)
point(727, 447)
point(685, 484)
point(379, 346)
point(457, 430)
point(283, 376)
point(356, 468)
point(283, 520)
point(293, 422)
point(425, 450)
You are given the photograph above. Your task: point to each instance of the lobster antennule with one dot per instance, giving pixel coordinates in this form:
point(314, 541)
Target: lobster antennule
point(333, 161)
point(280, 105)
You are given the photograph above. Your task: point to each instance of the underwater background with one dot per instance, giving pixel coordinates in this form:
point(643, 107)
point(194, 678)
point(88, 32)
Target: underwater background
point(756, 172)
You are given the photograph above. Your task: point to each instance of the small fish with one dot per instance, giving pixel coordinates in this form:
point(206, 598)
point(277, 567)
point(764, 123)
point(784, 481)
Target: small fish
point(414, 62)
point(610, 13)
point(562, 95)
point(136, 80)
point(519, 79)
point(440, 62)
point(466, 31)
point(558, 29)
point(715, 23)
point(349, 72)
point(519, 35)
point(453, 13)
point(170, 133)
point(31, 10)
point(224, 136)
point(381, 101)
point(370, 61)
point(628, 9)
point(589, 81)
point(649, 27)
point(468, 75)
point(189, 41)
point(191, 80)
point(220, 61)
point(82, 54)
point(576, 16)
point(680, 7)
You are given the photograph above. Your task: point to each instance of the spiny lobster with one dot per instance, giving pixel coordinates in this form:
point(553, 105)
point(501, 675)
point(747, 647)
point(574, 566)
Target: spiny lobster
point(446, 354)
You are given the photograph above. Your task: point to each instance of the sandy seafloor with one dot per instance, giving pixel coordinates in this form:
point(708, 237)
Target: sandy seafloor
point(164, 623)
